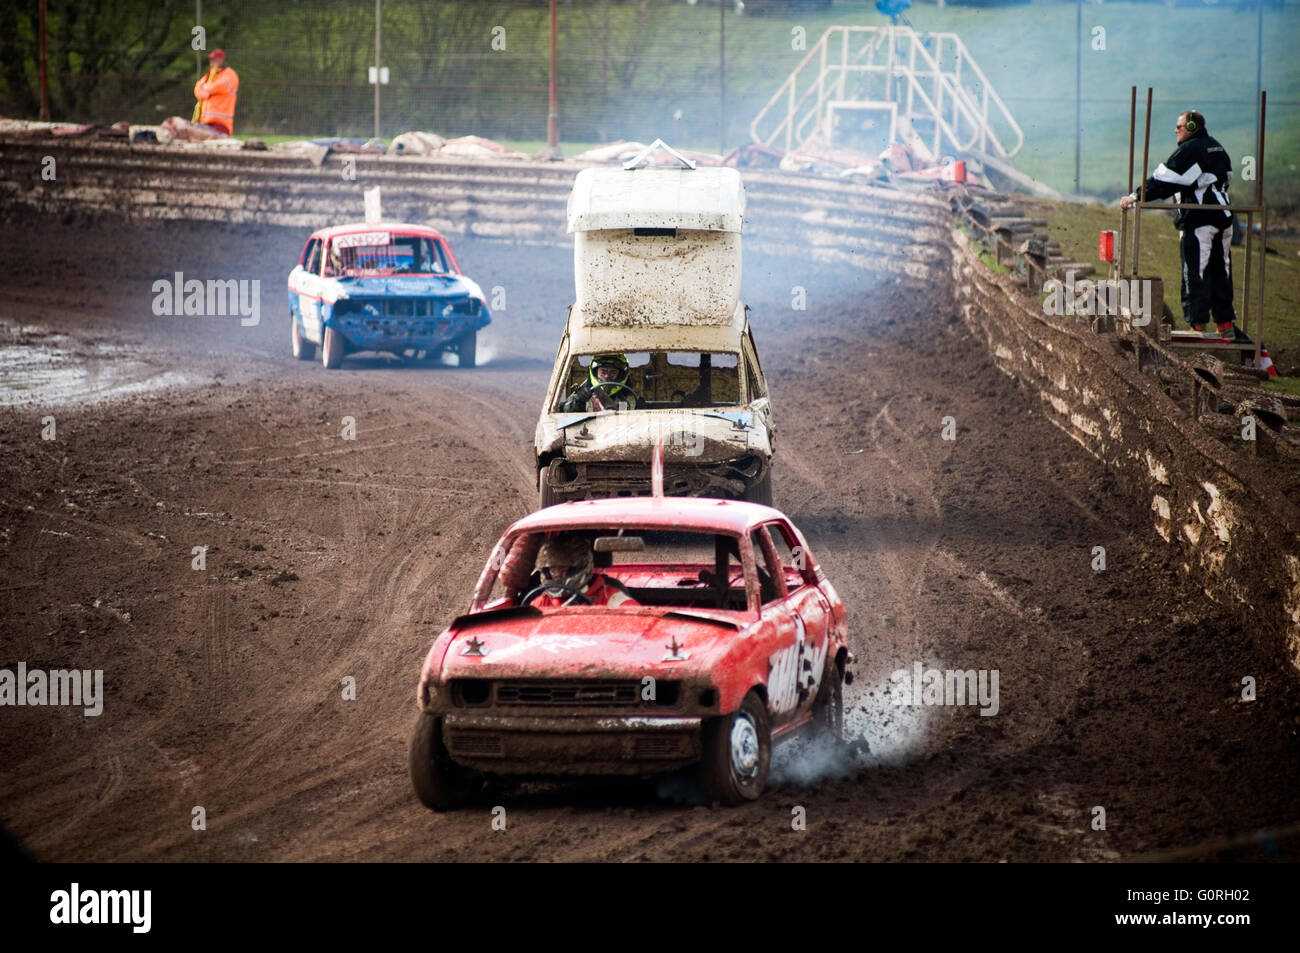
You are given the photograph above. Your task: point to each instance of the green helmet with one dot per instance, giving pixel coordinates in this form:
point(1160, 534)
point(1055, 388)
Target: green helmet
point(617, 361)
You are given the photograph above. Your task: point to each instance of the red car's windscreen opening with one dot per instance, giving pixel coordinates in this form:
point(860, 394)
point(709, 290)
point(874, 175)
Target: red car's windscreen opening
point(656, 567)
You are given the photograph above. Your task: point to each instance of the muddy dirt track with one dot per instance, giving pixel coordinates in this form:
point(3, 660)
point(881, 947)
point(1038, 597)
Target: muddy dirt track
point(330, 558)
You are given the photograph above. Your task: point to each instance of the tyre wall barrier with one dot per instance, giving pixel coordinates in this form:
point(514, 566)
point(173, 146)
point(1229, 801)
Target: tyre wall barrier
point(515, 200)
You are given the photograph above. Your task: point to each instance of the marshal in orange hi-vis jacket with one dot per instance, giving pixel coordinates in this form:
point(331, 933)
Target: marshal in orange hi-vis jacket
point(216, 91)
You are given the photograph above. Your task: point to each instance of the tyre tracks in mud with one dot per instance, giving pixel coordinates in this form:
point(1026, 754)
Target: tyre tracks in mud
point(372, 622)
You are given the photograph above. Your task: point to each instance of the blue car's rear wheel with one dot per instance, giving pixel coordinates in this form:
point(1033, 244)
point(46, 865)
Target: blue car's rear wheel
point(302, 349)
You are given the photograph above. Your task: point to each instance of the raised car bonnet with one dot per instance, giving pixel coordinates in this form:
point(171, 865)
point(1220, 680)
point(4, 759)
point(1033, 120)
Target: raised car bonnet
point(657, 246)
point(708, 199)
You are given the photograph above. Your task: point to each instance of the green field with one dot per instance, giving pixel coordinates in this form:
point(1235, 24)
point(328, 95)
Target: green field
point(1028, 54)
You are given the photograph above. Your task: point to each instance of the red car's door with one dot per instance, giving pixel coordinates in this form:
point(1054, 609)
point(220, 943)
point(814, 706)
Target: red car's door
point(799, 616)
point(782, 661)
point(808, 607)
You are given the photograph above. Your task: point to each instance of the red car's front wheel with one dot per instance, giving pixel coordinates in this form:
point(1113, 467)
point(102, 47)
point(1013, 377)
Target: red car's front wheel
point(737, 754)
point(439, 783)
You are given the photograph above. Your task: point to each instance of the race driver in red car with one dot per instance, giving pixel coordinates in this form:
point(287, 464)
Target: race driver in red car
point(566, 562)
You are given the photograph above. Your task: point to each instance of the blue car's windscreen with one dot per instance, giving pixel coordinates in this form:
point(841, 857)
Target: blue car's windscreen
point(403, 255)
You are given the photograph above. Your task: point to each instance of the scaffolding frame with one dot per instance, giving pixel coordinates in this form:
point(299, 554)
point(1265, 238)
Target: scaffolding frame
point(931, 76)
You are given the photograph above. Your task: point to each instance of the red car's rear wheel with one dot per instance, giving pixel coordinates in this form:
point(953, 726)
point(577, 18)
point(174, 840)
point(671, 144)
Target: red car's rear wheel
point(828, 709)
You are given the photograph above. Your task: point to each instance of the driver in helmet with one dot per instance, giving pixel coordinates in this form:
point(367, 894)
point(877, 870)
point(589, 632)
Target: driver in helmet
point(605, 389)
point(566, 561)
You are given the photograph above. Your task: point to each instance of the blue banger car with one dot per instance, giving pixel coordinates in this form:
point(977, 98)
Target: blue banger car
point(383, 287)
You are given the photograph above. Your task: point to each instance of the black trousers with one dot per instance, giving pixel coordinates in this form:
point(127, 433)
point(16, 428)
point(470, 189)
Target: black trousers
point(1207, 275)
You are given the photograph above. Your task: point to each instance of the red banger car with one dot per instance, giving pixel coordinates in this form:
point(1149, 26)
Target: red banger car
point(728, 638)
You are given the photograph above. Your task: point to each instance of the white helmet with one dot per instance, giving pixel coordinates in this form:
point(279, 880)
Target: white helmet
point(569, 554)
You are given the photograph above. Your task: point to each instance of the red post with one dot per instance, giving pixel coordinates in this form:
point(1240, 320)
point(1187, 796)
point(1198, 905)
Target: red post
point(45, 89)
point(553, 116)
point(1106, 246)
point(722, 77)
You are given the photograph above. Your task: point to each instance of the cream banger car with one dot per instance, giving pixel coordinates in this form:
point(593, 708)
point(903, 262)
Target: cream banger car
point(657, 274)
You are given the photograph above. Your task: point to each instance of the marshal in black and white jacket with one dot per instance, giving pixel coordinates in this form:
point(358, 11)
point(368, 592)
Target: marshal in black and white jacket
point(1198, 172)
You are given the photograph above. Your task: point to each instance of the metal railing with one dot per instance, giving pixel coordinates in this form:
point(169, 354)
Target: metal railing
point(941, 92)
point(1213, 392)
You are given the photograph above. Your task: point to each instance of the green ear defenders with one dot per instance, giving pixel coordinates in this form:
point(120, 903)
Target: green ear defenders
point(1190, 123)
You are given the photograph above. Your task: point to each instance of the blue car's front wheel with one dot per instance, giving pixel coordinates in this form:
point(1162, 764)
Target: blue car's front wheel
point(331, 350)
point(467, 349)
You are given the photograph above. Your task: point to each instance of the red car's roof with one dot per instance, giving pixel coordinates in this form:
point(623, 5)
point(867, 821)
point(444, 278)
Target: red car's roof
point(672, 512)
point(399, 227)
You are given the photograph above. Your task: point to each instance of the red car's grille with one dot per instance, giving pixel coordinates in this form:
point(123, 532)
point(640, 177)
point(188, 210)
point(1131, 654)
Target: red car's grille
point(567, 693)
point(662, 746)
point(474, 742)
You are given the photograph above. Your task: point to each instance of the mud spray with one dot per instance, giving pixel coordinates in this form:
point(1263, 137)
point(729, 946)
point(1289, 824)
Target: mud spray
point(877, 731)
point(487, 348)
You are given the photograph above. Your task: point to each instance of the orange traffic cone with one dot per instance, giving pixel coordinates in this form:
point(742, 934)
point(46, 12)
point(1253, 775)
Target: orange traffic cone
point(1266, 362)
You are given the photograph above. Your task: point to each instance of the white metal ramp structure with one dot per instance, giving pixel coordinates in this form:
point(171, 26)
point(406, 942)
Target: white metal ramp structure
point(867, 86)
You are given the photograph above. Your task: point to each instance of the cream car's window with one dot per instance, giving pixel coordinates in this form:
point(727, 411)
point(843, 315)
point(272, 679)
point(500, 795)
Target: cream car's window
point(666, 379)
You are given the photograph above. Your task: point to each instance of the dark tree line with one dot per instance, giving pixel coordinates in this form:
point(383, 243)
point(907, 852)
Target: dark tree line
point(107, 57)
point(303, 64)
